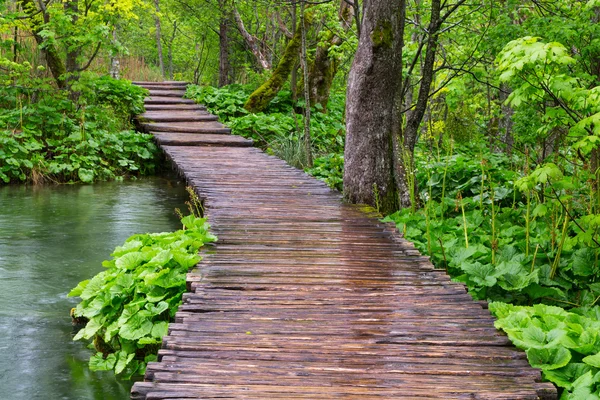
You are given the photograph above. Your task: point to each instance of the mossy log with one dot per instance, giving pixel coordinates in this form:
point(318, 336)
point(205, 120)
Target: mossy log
point(262, 96)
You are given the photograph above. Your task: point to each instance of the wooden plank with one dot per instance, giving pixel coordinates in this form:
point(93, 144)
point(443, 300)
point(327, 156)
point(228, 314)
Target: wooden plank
point(206, 139)
point(191, 127)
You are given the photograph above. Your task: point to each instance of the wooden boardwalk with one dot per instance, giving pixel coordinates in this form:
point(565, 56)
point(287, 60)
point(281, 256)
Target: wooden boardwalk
point(305, 297)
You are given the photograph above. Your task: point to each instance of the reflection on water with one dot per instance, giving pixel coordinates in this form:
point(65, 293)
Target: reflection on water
point(50, 239)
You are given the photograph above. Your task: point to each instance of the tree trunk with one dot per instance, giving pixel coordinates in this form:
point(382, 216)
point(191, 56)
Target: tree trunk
point(53, 59)
point(251, 41)
point(115, 65)
point(373, 107)
point(324, 68)
point(307, 142)
point(414, 119)
point(170, 53)
point(261, 97)
point(223, 48)
point(161, 63)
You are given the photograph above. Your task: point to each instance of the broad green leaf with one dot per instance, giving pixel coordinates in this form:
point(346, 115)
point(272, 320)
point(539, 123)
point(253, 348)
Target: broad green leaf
point(160, 329)
point(594, 360)
point(136, 327)
point(78, 289)
point(99, 363)
point(123, 359)
point(548, 358)
point(130, 260)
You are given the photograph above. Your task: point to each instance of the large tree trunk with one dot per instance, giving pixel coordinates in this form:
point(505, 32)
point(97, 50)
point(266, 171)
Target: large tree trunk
point(373, 107)
point(261, 97)
point(161, 62)
point(53, 59)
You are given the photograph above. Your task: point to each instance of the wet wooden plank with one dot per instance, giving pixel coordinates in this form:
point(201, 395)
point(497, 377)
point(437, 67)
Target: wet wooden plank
point(205, 139)
point(305, 297)
point(188, 127)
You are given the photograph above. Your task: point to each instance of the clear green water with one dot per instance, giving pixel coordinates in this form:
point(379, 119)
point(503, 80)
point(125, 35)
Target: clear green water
point(50, 239)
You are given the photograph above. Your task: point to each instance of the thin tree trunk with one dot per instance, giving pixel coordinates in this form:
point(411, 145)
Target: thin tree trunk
point(115, 65)
point(416, 116)
point(373, 107)
point(251, 41)
point(261, 97)
point(307, 141)
point(170, 54)
point(294, 73)
point(223, 47)
point(161, 63)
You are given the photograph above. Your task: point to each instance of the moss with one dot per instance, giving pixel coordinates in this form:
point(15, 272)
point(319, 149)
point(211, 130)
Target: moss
point(382, 35)
point(261, 97)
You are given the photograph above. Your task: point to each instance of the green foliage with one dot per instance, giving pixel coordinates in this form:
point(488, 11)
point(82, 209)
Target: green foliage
point(329, 169)
point(129, 305)
point(124, 98)
point(54, 138)
point(278, 123)
point(508, 237)
point(564, 345)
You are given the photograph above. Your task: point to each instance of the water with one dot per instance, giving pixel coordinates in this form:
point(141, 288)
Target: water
point(50, 239)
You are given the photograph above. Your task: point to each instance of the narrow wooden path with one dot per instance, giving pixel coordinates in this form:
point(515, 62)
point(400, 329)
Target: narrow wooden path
point(305, 297)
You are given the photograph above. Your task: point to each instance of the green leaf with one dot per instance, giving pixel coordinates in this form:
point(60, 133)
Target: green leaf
point(594, 360)
point(78, 289)
point(130, 260)
point(86, 175)
point(548, 358)
point(123, 359)
point(160, 329)
point(99, 363)
point(136, 327)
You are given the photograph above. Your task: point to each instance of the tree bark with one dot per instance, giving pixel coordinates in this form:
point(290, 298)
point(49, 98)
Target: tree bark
point(161, 62)
point(170, 53)
point(373, 107)
point(115, 65)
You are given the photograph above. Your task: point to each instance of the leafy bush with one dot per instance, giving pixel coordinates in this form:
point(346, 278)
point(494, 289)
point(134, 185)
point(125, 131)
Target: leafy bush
point(57, 139)
point(329, 169)
point(279, 121)
point(129, 305)
point(125, 98)
point(478, 223)
point(564, 345)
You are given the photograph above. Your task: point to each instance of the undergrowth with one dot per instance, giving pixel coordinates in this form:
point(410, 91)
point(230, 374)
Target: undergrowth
point(47, 136)
point(127, 308)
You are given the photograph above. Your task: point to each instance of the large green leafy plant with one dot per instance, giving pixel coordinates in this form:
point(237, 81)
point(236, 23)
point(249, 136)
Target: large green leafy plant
point(127, 308)
point(45, 135)
point(564, 345)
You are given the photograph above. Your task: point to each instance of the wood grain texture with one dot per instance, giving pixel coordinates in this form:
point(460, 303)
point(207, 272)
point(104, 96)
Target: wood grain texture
point(305, 297)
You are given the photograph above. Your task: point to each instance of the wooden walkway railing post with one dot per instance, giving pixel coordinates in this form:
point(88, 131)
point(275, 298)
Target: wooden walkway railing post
point(305, 297)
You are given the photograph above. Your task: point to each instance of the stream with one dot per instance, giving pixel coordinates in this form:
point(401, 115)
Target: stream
point(51, 238)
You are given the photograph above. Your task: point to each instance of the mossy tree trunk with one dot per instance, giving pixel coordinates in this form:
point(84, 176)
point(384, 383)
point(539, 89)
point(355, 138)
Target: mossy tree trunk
point(261, 97)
